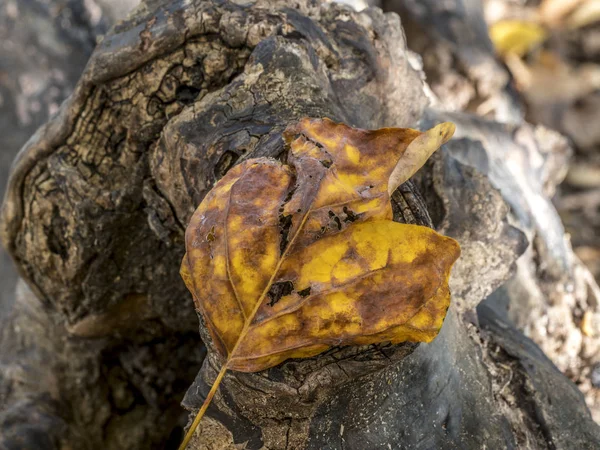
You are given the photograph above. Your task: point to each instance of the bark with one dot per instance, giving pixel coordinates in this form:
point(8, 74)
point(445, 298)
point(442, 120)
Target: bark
point(94, 217)
point(44, 50)
point(553, 297)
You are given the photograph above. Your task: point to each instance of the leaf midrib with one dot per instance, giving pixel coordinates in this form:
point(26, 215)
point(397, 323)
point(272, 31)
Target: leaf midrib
point(250, 318)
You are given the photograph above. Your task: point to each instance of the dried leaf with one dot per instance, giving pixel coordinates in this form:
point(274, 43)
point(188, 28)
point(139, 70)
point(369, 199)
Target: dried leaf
point(550, 80)
point(586, 14)
point(517, 37)
point(572, 13)
point(419, 151)
point(287, 261)
point(553, 12)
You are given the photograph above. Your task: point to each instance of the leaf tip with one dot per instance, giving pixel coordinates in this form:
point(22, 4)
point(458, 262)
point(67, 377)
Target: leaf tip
point(445, 130)
point(418, 152)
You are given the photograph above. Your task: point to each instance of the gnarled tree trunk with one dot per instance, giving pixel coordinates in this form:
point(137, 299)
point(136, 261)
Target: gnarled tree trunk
point(102, 342)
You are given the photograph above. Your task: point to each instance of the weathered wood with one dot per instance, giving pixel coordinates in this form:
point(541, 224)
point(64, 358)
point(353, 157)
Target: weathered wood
point(41, 61)
point(94, 218)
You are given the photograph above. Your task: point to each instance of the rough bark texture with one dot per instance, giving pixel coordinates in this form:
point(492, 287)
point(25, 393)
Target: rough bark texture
point(44, 49)
point(94, 217)
point(554, 299)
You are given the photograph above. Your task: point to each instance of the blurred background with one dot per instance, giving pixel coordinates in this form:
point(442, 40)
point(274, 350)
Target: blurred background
point(552, 49)
point(505, 60)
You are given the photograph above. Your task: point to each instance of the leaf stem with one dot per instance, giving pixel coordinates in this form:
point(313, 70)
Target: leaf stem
point(211, 394)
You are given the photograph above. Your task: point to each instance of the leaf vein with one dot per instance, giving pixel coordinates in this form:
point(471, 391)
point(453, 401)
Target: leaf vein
point(227, 265)
point(297, 306)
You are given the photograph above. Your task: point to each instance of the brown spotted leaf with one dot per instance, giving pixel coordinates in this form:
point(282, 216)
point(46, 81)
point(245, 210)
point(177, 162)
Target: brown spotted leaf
point(285, 261)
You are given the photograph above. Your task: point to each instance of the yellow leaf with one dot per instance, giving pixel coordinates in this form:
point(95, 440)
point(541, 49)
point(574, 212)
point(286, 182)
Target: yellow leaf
point(517, 37)
point(285, 261)
point(375, 281)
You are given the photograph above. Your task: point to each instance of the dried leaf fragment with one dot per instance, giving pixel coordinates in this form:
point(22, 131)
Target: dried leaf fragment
point(586, 14)
point(418, 152)
point(572, 13)
point(285, 261)
point(516, 37)
point(553, 12)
